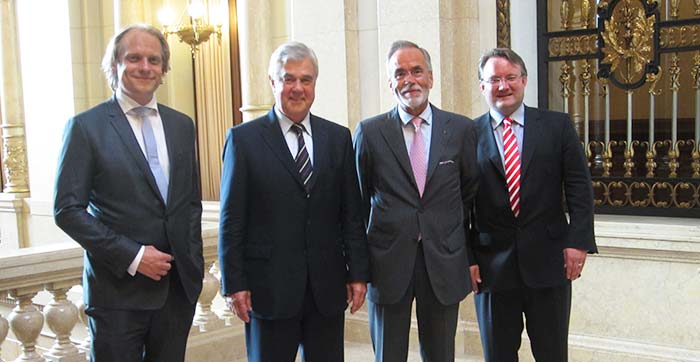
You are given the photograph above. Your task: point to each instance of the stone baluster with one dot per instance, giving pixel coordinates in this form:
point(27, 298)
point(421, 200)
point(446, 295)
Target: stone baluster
point(4, 327)
point(61, 316)
point(226, 313)
point(205, 318)
point(87, 342)
point(26, 322)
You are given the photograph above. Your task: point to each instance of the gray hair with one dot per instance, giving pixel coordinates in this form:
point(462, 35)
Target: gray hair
point(290, 51)
point(115, 49)
point(402, 44)
point(505, 53)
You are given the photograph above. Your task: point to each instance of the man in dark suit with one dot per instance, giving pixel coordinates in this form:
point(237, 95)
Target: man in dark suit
point(127, 190)
point(526, 252)
point(291, 245)
point(418, 176)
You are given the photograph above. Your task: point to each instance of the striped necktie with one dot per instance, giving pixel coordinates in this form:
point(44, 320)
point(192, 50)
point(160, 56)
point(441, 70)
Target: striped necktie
point(302, 159)
point(511, 156)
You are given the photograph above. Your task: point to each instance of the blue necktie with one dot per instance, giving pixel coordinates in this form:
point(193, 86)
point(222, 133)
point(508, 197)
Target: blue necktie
point(149, 141)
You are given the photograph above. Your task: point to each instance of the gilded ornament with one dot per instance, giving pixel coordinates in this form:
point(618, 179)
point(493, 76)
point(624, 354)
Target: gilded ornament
point(695, 70)
point(653, 80)
point(503, 23)
point(697, 7)
point(564, 10)
point(675, 71)
point(675, 5)
point(628, 40)
point(585, 13)
point(585, 78)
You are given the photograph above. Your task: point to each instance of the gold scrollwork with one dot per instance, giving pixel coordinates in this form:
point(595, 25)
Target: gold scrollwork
point(679, 36)
point(15, 166)
point(654, 190)
point(640, 186)
point(628, 39)
point(677, 194)
point(697, 7)
point(618, 185)
point(572, 45)
point(598, 185)
point(675, 71)
point(675, 5)
point(663, 194)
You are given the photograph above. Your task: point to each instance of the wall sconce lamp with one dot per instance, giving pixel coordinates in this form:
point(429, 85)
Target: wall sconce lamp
point(194, 32)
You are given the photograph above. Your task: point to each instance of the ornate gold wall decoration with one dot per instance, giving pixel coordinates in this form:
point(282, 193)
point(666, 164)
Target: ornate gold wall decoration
point(679, 36)
point(573, 45)
point(503, 23)
point(628, 39)
point(15, 165)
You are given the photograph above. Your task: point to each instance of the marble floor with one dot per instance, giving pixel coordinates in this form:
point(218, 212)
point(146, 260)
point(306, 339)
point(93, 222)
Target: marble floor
point(361, 352)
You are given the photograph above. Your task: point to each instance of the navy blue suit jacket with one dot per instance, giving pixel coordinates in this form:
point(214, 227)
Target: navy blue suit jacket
point(553, 170)
point(274, 236)
point(107, 200)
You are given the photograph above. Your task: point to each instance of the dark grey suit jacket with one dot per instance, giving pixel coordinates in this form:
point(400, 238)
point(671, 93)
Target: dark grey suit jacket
point(275, 237)
point(107, 200)
point(553, 170)
point(395, 214)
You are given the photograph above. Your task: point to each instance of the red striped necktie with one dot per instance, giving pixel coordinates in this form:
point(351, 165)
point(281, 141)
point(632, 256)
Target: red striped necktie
point(511, 156)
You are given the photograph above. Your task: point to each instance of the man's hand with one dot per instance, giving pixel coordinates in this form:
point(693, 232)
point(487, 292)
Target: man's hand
point(574, 259)
point(475, 276)
point(154, 264)
point(239, 304)
point(356, 295)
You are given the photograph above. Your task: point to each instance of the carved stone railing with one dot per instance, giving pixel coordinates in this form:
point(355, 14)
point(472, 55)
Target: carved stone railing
point(54, 270)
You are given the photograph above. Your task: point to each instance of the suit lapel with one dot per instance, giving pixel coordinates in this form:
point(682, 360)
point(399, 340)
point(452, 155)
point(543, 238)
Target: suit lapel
point(532, 132)
point(126, 134)
point(487, 143)
point(393, 134)
point(438, 140)
point(169, 131)
point(320, 149)
point(273, 137)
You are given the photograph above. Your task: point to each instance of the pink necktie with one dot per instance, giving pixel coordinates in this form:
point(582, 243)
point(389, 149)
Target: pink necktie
point(417, 155)
point(512, 165)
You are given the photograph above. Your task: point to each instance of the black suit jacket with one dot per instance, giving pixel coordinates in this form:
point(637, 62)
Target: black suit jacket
point(395, 213)
point(107, 200)
point(274, 236)
point(553, 170)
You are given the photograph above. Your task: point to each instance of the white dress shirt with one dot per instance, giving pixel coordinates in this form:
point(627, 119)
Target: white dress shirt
point(291, 136)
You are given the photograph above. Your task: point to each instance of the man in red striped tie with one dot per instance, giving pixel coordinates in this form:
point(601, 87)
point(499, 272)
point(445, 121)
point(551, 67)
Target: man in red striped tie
point(525, 251)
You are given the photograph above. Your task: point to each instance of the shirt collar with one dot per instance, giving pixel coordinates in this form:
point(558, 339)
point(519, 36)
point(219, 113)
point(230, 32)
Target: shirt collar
point(286, 123)
point(127, 104)
point(518, 116)
point(426, 115)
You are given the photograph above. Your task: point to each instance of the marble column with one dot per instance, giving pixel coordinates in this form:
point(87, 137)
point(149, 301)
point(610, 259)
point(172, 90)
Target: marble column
point(14, 142)
point(255, 45)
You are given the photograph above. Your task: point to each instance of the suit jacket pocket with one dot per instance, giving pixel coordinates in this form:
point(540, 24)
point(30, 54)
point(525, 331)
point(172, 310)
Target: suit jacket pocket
point(258, 251)
point(379, 238)
point(496, 240)
point(557, 231)
point(456, 238)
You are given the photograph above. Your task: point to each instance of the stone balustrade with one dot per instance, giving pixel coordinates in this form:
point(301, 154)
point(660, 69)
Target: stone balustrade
point(54, 270)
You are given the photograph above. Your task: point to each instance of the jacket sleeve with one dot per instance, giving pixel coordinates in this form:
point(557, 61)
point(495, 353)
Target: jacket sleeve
point(233, 218)
point(74, 178)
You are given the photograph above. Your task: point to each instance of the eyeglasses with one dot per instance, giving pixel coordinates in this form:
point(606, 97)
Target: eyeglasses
point(401, 74)
point(510, 79)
